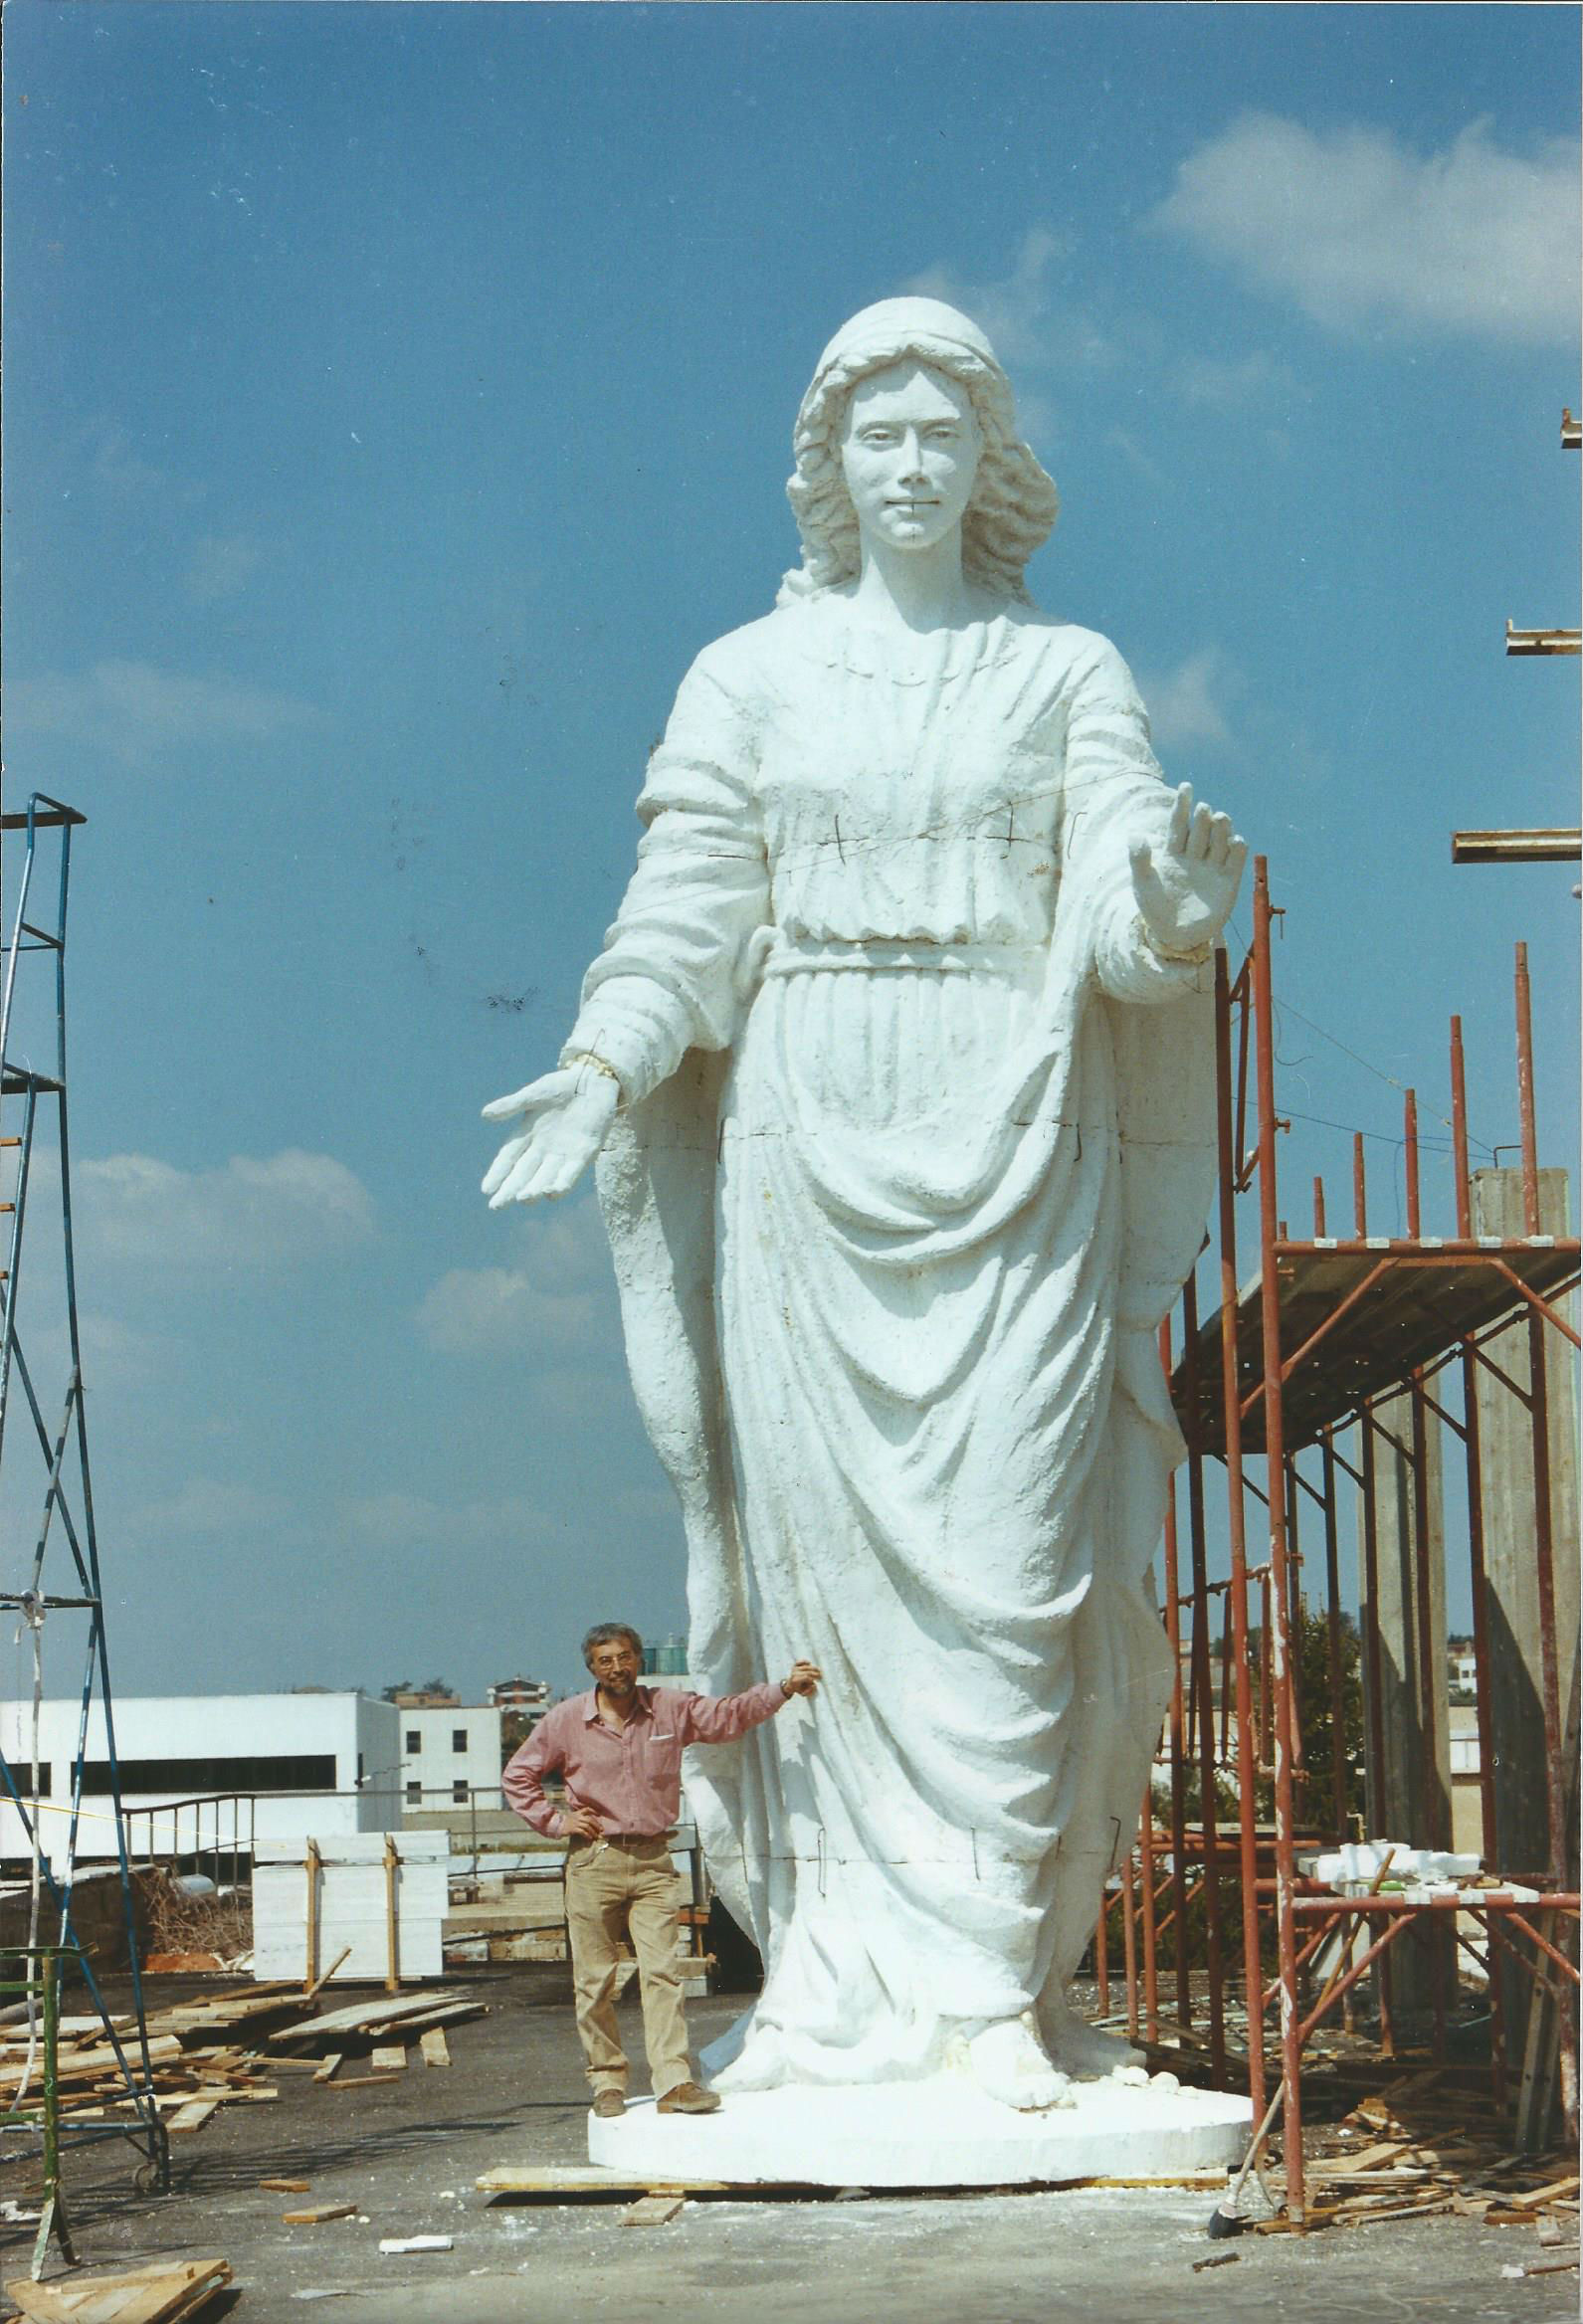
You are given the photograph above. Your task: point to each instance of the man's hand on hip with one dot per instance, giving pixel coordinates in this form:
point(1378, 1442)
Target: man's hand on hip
point(579, 1824)
point(803, 1678)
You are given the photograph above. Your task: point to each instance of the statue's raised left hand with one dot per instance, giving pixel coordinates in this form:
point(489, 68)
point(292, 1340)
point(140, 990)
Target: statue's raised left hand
point(1186, 889)
point(569, 1114)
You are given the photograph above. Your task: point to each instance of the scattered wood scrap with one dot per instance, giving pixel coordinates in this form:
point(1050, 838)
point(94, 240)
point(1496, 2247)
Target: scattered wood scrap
point(287, 2186)
point(166, 2292)
point(378, 2019)
point(562, 2181)
point(1438, 2163)
point(652, 2210)
point(209, 2048)
point(313, 2215)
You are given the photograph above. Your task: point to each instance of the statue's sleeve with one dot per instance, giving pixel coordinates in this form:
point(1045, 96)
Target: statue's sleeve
point(671, 974)
point(1114, 794)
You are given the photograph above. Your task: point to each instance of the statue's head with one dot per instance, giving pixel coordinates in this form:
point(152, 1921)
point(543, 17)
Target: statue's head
point(1013, 502)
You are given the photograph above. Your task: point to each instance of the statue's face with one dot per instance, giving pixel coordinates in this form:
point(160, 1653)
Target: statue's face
point(909, 453)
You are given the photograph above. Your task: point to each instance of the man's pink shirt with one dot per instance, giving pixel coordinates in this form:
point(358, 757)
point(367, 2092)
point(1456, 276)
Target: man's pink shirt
point(629, 1777)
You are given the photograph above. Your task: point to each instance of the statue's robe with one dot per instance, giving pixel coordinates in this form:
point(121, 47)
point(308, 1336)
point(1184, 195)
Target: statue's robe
point(916, 1150)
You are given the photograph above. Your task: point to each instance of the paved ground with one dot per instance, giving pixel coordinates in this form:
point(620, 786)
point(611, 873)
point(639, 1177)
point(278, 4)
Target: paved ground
point(409, 2155)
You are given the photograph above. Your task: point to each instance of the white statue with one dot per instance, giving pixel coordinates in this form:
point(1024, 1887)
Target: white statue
point(897, 1061)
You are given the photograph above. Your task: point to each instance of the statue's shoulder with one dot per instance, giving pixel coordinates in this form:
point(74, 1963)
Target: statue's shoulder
point(1066, 647)
point(748, 661)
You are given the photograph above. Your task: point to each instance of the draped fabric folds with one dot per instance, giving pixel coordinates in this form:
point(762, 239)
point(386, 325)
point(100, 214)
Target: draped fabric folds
point(916, 1149)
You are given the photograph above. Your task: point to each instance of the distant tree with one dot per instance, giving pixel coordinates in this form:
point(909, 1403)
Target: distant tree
point(1314, 1785)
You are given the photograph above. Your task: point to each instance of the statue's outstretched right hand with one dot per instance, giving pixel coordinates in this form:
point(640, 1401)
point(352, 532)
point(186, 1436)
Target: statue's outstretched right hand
point(567, 1116)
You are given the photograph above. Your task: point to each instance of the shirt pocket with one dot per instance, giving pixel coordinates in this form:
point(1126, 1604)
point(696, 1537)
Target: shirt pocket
point(664, 1756)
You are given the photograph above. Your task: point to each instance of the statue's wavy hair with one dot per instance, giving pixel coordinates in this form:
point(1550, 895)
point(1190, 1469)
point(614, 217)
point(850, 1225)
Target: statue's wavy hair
point(1014, 504)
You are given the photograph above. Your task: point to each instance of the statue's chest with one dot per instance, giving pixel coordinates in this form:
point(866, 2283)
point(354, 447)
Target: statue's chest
point(900, 759)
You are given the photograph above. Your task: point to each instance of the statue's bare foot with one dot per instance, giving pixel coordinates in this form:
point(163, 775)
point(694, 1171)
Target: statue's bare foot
point(1077, 2047)
point(1008, 2062)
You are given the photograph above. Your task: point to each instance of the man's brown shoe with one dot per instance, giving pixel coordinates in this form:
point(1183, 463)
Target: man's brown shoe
point(609, 2103)
point(688, 2098)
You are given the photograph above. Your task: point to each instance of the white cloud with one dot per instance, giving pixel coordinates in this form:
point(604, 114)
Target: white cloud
point(135, 710)
point(413, 1521)
point(117, 467)
point(219, 566)
point(1187, 704)
point(1228, 386)
point(254, 1211)
point(1030, 326)
point(207, 1506)
point(558, 1296)
point(1018, 312)
point(485, 1311)
point(1132, 452)
point(1359, 229)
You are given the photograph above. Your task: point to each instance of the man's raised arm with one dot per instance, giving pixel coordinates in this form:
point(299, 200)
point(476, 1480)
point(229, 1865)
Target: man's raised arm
point(709, 1718)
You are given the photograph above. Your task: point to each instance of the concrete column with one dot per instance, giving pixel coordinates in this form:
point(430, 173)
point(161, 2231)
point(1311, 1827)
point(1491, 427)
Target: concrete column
point(1413, 1702)
point(1506, 1445)
point(1409, 1793)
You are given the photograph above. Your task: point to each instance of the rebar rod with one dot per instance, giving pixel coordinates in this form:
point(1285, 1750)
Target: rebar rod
point(1281, 1623)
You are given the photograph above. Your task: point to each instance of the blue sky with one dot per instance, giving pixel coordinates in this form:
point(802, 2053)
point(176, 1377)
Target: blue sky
point(399, 396)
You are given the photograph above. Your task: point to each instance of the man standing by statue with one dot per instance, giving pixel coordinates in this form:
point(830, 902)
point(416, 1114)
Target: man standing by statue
point(619, 1751)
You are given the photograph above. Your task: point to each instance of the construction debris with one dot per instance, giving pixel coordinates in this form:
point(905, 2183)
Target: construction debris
point(313, 2215)
point(408, 2012)
point(205, 2052)
point(562, 2182)
point(167, 2292)
point(652, 2210)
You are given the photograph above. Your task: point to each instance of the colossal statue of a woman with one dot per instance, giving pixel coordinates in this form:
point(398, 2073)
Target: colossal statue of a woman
point(897, 1062)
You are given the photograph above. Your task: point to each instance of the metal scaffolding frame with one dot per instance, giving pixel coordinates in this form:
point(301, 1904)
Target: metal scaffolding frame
point(1330, 1330)
point(59, 1578)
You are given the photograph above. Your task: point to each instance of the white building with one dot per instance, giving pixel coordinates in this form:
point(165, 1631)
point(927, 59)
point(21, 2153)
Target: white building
point(450, 1755)
point(520, 1695)
point(279, 1766)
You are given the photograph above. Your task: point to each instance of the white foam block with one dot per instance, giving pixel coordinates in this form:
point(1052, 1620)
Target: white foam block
point(937, 2133)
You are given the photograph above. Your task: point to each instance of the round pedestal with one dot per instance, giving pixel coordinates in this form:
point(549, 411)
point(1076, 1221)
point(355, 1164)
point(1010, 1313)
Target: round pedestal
point(938, 2133)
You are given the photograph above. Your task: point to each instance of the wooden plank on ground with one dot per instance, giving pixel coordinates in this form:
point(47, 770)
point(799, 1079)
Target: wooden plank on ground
point(652, 2210)
point(313, 2215)
point(390, 2059)
point(569, 2180)
point(163, 2293)
point(326, 2071)
point(287, 2186)
point(192, 2116)
point(434, 2046)
point(372, 2016)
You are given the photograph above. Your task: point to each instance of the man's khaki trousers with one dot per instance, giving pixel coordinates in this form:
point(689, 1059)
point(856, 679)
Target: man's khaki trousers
point(624, 1887)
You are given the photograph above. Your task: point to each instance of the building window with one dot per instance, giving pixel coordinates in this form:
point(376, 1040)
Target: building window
point(458, 1789)
point(459, 1738)
point(415, 1795)
point(307, 1771)
point(414, 1741)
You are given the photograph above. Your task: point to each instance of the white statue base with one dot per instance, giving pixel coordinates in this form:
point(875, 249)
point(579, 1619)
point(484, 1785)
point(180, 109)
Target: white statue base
point(942, 2132)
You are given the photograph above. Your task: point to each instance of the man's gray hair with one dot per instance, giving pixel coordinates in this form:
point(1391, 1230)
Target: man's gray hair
point(603, 1632)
